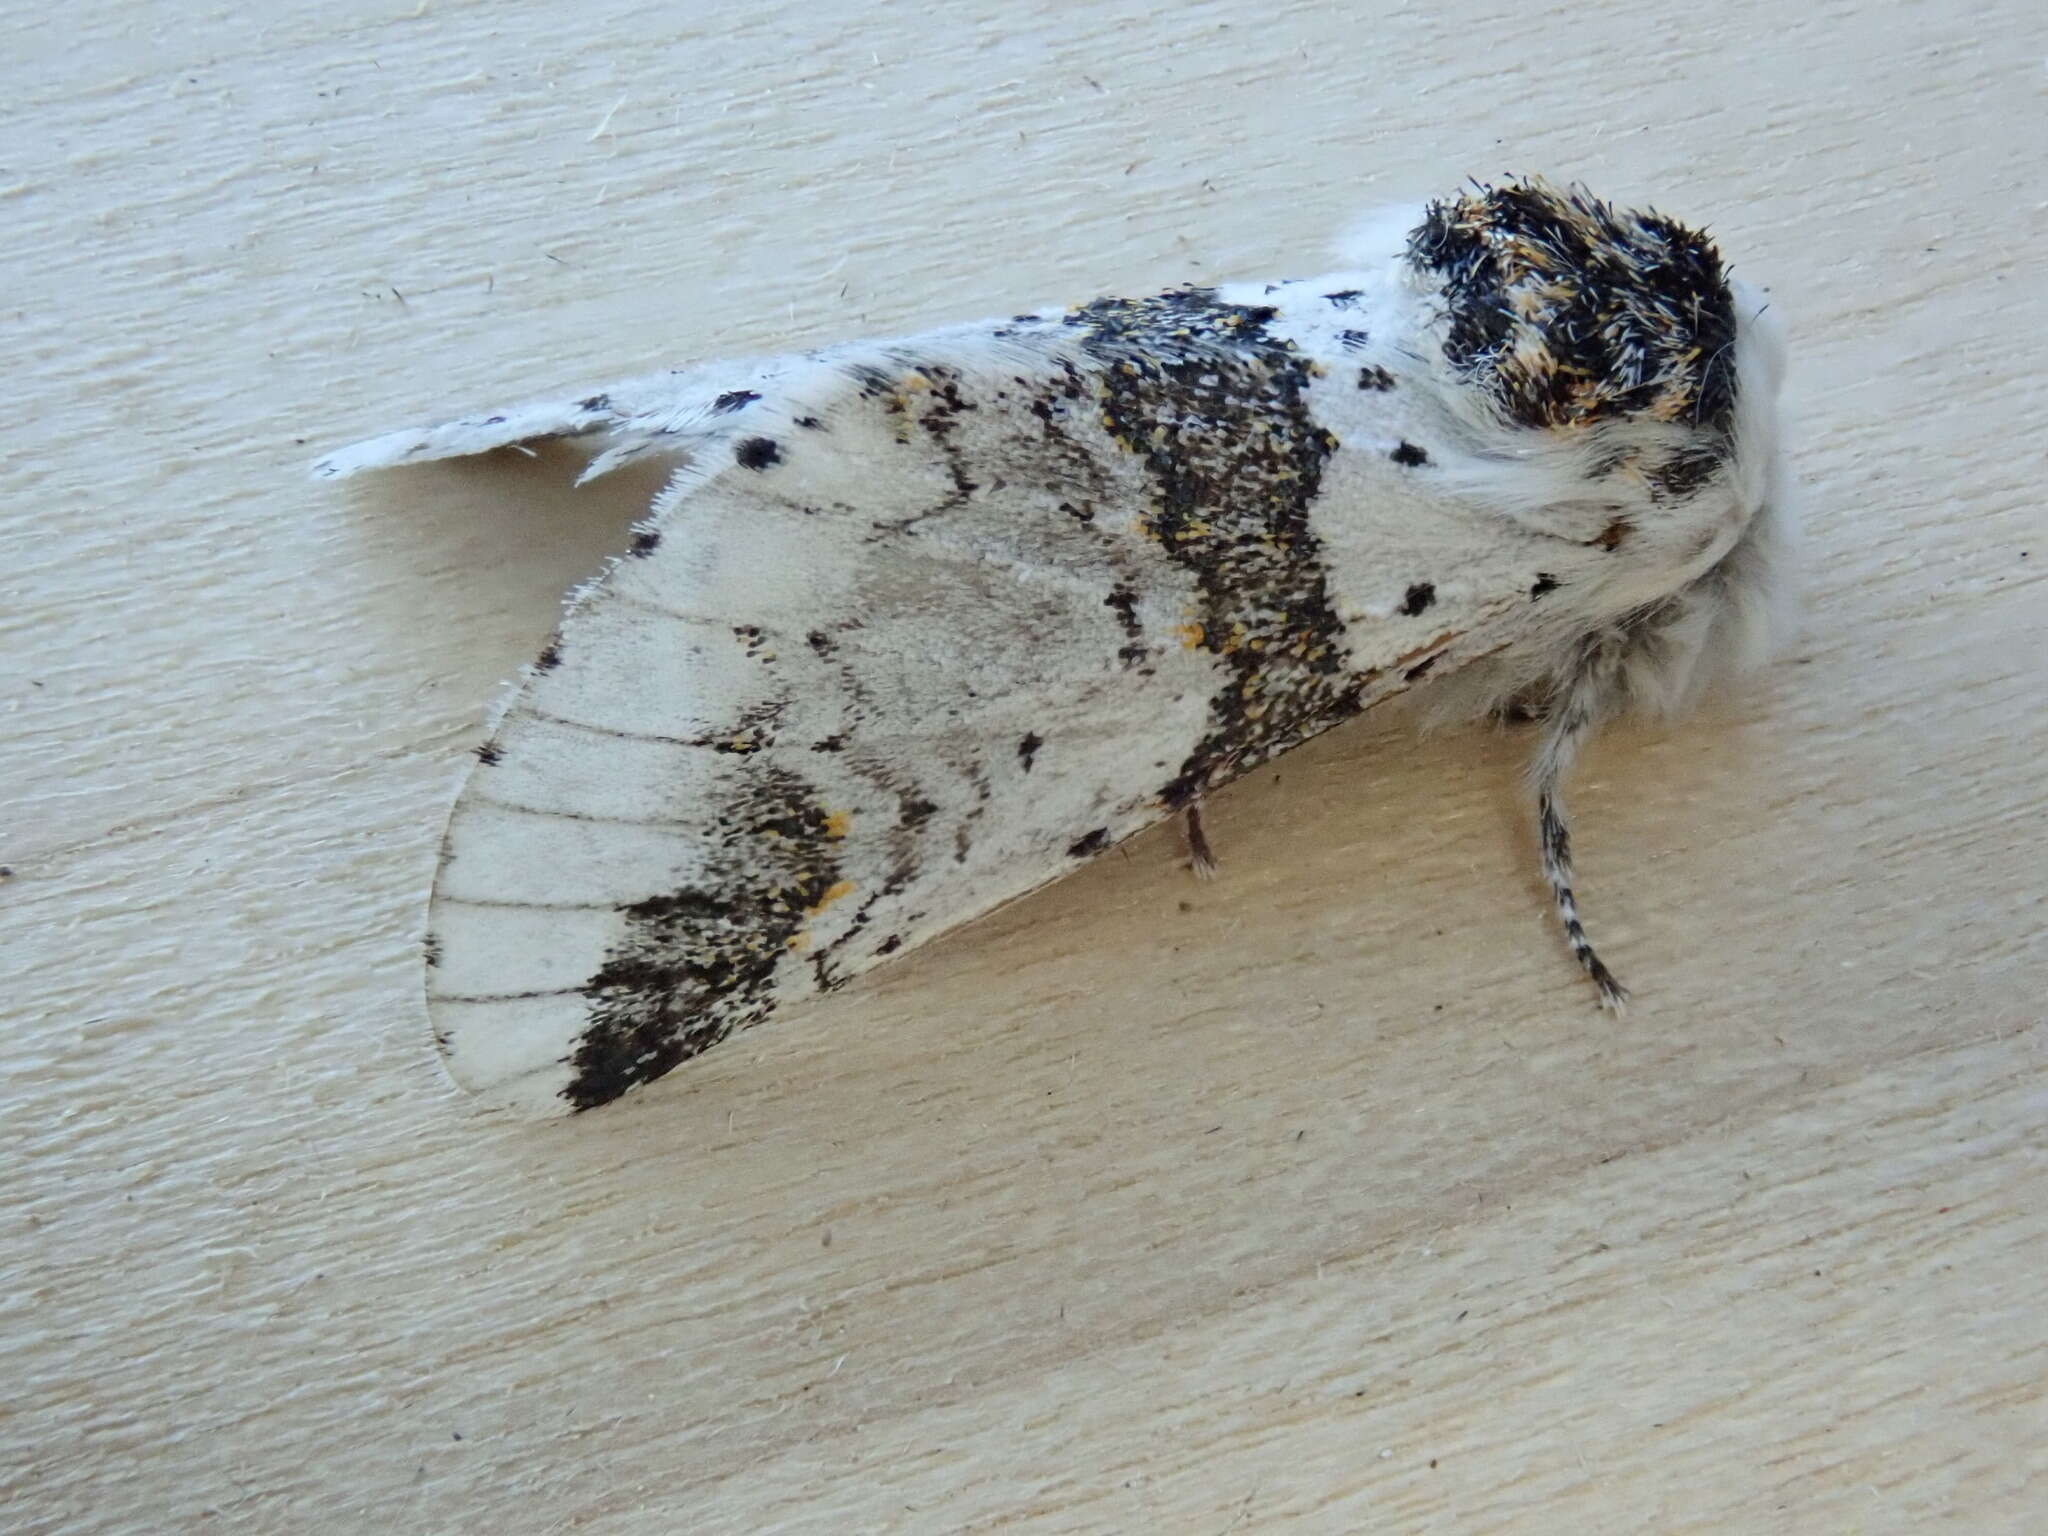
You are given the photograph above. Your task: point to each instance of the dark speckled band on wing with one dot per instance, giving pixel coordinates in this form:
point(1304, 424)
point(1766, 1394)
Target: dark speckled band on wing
point(1215, 406)
point(699, 962)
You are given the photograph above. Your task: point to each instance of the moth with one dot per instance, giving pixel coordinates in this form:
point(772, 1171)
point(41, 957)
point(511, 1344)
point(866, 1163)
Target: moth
point(917, 626)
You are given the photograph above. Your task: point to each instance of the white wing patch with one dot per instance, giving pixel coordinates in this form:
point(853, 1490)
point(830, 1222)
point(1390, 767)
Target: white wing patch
point(918, 625)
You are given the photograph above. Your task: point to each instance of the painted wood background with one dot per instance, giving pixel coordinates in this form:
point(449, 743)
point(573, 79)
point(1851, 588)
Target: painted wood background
point(1319, 1198)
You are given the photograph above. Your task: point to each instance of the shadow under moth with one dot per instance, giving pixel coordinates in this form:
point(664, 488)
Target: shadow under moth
point(919, 625)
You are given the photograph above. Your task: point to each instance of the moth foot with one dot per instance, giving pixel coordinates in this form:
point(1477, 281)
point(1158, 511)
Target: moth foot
point(1201, 859)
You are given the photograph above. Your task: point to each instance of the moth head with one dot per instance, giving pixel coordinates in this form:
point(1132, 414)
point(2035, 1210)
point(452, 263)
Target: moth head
point(1568, 311)
point(1614, 385)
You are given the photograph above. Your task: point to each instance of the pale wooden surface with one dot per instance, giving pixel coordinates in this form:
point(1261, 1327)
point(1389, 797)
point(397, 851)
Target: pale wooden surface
point(1319, 1198)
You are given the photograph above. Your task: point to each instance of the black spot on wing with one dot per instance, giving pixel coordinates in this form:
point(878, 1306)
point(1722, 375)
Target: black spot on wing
point(1545, 584)
point(758, 453)
point(1376, 379)
point(1409, 455)
point(1418, 598)
point(1027, 749)
point(733, 400)
point(1090, 845)
point(489, 755)
point(645, 543)
point(1125, 602)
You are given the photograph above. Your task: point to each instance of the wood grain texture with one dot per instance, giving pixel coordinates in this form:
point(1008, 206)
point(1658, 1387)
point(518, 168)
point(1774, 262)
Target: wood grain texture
point(1318, 1198)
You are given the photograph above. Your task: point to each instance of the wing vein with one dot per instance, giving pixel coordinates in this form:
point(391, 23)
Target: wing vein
point(501, 997)
point(536, 906)
point(614, 821)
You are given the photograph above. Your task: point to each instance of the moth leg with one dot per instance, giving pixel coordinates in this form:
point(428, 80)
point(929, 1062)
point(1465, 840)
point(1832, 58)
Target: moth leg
point(1200, 857)
point(1575, 712)
point(1557, 869)
point(1525, 708)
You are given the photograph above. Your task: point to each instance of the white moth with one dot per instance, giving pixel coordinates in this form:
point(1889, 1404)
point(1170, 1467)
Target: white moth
point(919, 625)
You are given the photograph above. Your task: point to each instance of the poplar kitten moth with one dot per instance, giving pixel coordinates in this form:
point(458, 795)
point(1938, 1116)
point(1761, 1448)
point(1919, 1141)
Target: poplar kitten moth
point(917, 626)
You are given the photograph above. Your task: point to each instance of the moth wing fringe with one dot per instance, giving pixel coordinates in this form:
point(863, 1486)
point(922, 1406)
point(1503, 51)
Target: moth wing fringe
point(672, 412)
